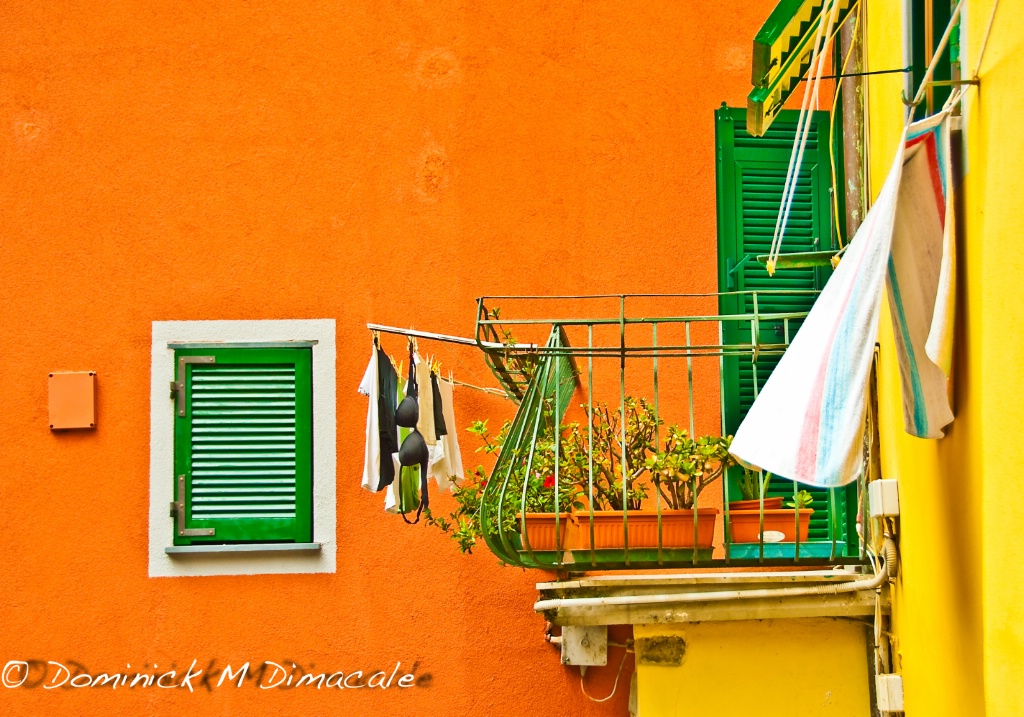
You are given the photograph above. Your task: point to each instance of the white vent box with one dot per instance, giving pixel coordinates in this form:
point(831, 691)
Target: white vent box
point(584, 646)
point(889, 692)
point(884, 498)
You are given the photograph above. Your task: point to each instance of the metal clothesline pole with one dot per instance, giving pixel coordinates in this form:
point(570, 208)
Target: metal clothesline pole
point(446, 338)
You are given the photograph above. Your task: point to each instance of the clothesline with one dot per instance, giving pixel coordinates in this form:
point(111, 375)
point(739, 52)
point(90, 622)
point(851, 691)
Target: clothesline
point(822, 42)
point(821, 45)
point(414, 334)
point(410, 432)
point(484, 389)
point(934, 62)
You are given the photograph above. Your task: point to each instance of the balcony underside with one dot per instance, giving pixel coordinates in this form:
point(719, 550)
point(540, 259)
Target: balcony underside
point(631, 595)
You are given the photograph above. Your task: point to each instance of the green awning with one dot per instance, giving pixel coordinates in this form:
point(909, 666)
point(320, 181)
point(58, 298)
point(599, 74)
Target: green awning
point(782, 55)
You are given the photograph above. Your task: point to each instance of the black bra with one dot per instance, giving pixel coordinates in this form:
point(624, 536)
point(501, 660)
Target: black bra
point(413, 450)
point(407, 415)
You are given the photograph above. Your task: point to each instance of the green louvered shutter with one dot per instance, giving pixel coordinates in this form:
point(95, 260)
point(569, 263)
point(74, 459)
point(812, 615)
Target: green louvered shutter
point(751, 172)
point(243, 448)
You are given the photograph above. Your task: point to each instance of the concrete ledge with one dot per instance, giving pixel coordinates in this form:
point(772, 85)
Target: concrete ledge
point(714, 580)
point(690, 610)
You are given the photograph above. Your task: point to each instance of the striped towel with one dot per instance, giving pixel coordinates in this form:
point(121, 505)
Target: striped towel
point(807, 423)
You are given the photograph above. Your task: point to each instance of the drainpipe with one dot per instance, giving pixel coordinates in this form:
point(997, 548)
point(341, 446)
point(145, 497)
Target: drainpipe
point(853, 123)
point(889, 569)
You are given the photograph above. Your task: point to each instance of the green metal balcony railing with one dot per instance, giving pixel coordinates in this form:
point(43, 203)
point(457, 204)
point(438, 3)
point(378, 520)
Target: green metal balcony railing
point(615, 458)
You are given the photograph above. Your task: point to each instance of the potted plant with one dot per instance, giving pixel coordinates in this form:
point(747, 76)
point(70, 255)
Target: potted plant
point(604, 486)
point(616, 489)
point(679, 473)
point(533, 494)
point(533, 507)
point(751, 490)
point(745, 525)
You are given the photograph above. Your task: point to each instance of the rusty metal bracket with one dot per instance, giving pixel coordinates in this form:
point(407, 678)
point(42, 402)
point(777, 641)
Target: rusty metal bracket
point(178, 386)
point(938, 83)
point(178, 512)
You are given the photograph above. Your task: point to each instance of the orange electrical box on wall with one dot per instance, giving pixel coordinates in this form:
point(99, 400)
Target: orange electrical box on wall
point(73, 400)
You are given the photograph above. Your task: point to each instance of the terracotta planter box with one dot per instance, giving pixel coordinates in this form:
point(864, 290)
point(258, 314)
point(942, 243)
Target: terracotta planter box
point(540, 530)
point(676, 528)
point(744, 524)
point(769, 504)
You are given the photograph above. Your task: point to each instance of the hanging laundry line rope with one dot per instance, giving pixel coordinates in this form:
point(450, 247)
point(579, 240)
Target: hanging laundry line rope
point(483, 389)
point(955, 97)
point(803, 127)
point(984, 42)
point(783, 214)
point(822, 43)
point(940, 48)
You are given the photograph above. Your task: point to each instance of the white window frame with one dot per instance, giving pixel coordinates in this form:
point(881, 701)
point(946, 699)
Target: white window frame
point(242, 560)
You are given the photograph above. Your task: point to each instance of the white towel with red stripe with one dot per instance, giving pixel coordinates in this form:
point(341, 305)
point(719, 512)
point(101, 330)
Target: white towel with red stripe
point(807, 423)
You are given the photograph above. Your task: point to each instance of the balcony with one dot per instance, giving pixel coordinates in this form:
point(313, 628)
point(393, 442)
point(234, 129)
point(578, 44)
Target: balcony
point(617, 458)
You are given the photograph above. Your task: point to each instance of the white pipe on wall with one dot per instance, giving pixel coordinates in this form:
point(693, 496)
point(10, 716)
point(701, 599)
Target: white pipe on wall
point(871, 583)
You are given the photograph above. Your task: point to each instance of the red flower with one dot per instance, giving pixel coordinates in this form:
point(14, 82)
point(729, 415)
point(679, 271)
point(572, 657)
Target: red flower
point(549, 482)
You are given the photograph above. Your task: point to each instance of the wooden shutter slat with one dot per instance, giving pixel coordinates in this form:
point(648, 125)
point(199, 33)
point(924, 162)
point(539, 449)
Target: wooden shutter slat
point(204, 452)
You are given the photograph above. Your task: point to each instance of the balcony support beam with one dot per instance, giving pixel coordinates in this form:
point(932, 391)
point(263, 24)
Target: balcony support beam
point(860, 604)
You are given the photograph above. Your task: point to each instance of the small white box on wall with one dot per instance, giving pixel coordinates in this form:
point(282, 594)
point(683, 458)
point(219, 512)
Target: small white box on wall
point(884, 498)
point(889, 692)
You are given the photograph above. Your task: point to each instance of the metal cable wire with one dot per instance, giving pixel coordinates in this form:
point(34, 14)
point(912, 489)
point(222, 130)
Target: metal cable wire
point(615, 685)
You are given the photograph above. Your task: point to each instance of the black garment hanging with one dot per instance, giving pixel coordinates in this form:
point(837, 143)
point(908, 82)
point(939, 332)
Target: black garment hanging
point(414, 449)
point(435, 389)
point(387, 392)
point(407, 415)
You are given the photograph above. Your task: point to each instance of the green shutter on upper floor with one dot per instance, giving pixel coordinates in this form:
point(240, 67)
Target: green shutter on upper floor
point(782, 56)
point(243, 448)
point(751, 172)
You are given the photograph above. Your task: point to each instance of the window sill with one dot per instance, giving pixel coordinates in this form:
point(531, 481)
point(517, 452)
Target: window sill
point(182, 550)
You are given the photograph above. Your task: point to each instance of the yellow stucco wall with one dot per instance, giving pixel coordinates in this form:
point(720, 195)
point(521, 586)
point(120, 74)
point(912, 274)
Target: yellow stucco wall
point(768, 668)
point(995, 197)
point(958, 614)
point(959, 603)
point(936, 602)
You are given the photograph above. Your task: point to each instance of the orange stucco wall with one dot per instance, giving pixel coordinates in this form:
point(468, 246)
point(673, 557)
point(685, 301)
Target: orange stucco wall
point(363, 161)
